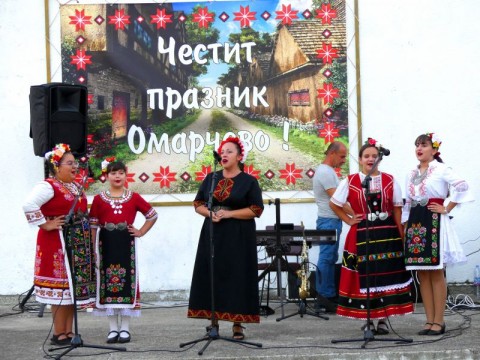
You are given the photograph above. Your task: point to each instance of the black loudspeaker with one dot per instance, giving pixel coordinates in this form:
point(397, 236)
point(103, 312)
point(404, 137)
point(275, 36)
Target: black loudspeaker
point(58, 114)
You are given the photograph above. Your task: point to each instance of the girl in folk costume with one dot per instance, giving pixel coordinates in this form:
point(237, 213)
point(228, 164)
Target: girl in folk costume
point(46, 207)
point(431, 242)
point(388, 282)
point(113, 213)
point(237, 200)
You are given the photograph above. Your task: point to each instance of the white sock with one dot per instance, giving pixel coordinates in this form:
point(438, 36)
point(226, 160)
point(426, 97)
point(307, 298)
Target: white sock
point(125, 325)
point(113, 322)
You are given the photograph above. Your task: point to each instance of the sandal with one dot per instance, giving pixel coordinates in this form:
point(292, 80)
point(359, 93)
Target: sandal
point(237, 329)
point(425, 331)
point(382, 328)
point(70, 335)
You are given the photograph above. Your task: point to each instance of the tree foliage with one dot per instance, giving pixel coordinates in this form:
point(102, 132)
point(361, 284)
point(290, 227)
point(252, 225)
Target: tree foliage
point(197, 35)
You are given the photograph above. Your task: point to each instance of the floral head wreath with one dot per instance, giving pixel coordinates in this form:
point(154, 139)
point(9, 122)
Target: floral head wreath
point(56, 154)
point(243, 150)
point(106, 162)
point(436, 141)
point(373, 142)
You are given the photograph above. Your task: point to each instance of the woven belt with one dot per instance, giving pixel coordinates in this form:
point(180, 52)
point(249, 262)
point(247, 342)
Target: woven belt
point(112, 226)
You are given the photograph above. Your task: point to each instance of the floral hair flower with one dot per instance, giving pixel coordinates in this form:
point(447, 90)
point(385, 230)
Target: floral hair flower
point(236, 140)
point(107, 161)
point(371, 141)
point(436, 141)
point(57, 153)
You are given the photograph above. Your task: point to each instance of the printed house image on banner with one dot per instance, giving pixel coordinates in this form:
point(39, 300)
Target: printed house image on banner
point(293, 73)
point(126, 64)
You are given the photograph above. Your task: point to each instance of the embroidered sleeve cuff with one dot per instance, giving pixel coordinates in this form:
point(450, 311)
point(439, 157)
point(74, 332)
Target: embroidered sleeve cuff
point(198, 203)
point(151, 214)
point(257, 210)
point(35, 218)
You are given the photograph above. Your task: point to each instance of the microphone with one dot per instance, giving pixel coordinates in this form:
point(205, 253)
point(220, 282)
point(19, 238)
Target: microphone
point(384, 151)
point(217, 156)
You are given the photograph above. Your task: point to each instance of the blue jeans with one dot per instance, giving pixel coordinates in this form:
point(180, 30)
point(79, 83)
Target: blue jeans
point(325, 279)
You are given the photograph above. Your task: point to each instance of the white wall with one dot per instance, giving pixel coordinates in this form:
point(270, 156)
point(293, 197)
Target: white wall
point(418, 73)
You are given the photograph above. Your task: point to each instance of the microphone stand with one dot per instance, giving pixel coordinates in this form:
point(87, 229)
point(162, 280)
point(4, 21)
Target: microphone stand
point(212, 333)
point(76, 339)
point(368, 335)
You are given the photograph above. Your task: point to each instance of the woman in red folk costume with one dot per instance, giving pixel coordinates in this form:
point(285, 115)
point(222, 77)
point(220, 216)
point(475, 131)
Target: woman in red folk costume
point(237, 200)
point(113, 212)
point(388, 282)
point(47, 207)
point(431, 242)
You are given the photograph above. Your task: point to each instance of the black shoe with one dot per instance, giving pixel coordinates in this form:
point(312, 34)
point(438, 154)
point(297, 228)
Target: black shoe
point(61, 342)
point(126, 339)
point(425, 331)
point(114, 339)
point(323, 302)
point(437, 332)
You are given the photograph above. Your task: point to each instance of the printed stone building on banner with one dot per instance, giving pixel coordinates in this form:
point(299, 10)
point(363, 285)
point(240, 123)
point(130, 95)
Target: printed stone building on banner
point(125, 63)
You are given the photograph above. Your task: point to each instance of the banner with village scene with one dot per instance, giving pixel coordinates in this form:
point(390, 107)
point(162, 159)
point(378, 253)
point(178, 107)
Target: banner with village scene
point(167, 82)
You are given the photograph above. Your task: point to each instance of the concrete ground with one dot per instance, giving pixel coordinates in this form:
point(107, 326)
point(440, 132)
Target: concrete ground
point(163, 326)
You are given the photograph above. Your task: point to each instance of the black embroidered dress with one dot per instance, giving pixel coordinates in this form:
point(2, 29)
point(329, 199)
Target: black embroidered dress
point(235, 257)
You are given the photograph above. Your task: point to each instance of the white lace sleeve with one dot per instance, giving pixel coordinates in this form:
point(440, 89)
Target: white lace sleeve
point(459, 189)
point(41, 193)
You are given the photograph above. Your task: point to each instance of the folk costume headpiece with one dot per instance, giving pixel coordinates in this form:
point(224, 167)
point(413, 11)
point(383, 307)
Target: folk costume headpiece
point(105, 163)
point(236, 140)
point(436, 141)
point(373, 142)
point(56, 154)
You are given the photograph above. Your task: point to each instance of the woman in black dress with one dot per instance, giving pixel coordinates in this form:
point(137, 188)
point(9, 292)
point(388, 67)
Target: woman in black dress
point(237, 200)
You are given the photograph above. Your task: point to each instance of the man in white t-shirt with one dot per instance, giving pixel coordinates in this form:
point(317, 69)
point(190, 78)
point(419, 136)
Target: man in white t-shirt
point(325, 182)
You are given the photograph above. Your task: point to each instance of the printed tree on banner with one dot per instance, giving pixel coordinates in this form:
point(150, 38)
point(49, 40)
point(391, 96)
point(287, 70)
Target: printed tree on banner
point(164, 177)
point(329, 133)
point(290, 174)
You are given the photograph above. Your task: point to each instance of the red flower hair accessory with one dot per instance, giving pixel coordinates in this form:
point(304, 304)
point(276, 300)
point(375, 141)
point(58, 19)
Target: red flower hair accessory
point(236, 140)
point(373, 142)
point(57, 153)
point(107, 161)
